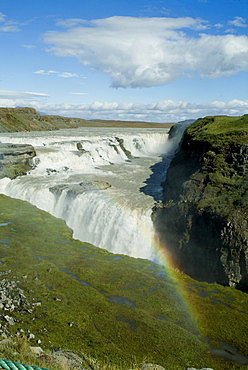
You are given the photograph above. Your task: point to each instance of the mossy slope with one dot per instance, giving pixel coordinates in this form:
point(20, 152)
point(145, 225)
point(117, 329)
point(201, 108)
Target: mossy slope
point(112, 306)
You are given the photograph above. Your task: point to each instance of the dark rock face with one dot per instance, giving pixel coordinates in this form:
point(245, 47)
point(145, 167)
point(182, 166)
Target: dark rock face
point(205, 237)
point(15, 159)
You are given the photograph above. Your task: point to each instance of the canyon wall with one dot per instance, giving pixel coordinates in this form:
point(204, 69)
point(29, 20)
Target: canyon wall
point(203, 219)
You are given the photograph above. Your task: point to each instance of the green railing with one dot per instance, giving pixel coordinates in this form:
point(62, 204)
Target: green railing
point(10, 365)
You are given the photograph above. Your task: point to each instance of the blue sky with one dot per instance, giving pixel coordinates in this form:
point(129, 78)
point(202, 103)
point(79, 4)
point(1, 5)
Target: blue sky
point(158, 61)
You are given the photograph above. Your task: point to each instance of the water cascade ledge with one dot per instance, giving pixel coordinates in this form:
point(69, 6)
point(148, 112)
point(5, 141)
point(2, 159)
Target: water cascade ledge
point(92, 178)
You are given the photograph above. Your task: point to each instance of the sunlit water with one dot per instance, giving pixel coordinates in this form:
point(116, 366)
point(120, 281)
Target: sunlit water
point(102, 182)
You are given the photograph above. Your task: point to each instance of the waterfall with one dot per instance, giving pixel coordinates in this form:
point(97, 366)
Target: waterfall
point(92, 178)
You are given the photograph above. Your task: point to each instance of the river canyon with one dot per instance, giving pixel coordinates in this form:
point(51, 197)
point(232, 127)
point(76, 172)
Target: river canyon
point(103, 182)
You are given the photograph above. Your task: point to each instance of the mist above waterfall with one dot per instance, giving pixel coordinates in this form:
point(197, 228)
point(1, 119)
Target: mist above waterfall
point(100, 181)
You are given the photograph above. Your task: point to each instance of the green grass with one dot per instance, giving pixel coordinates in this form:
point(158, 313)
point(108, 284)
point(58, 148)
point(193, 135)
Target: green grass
point(218, 129)
point(220, 142)
point(158, 326)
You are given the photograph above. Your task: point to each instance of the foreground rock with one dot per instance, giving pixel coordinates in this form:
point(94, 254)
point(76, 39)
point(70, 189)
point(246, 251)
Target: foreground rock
point(12, 298)
point(15, 159)
point(203, 220)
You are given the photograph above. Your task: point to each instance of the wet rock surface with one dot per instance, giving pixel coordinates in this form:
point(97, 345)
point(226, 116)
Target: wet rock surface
point(83, 186)
point(15, 159)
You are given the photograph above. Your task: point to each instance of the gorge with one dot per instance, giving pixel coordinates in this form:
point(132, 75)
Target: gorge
point(106, 182)
point(111, 186)
point(99, 181)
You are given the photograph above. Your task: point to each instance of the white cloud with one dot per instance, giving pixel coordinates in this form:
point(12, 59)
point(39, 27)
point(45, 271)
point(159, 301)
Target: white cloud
point(78, 93)
point(9, 25)
point(2, 17)
point(162, 111)
point(67, 74)
point(6, 94)
point(238, 22)
point(144, 52)
point(28, 46)
point(42, 72)
point(9, 28)
point(71, 22)
point(60, 74)
point(218, 25)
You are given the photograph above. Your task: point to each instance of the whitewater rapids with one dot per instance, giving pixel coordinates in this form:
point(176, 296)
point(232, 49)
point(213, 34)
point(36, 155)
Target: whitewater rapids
point(102, 181)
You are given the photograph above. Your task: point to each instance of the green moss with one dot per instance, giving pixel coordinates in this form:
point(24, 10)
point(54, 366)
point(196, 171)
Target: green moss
point(220, 130)
point(217, 142)
point(77, 283)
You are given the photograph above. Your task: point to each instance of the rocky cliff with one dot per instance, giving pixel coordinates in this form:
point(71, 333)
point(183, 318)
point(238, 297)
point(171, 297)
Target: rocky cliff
point(203, 220)
point(15, 159)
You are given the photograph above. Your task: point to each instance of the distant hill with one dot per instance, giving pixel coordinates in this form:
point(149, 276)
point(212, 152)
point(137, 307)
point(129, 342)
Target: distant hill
point(28, 119)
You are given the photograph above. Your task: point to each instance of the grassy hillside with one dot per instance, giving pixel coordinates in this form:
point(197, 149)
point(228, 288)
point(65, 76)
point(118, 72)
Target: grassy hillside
point(222, 144)
point(220, 130)
point(27, 119)
point(114, 308)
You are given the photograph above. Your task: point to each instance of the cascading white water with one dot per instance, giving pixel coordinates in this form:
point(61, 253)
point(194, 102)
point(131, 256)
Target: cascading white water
point(92, 178)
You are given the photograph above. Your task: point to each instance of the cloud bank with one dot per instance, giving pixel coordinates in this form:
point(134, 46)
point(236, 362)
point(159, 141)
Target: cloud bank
point(162, 111)
point(146, 52)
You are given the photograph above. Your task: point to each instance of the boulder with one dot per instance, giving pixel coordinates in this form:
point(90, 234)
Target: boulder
point(151, 367)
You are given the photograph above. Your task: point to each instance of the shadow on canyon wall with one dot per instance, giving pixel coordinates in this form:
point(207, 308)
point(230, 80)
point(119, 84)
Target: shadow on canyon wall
point(154, 183)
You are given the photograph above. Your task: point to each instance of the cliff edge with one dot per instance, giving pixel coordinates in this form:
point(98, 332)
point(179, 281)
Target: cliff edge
point(203, 220)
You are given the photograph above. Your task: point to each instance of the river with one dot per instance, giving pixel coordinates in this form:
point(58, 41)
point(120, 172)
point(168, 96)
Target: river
point(102, 181)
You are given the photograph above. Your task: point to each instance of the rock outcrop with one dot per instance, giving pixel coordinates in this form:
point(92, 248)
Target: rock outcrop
point(203, 220)
point(15, 159)
point(12, 298)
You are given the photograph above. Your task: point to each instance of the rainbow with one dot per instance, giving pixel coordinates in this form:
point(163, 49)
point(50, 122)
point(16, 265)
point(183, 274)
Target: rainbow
point(180, 294)
point(161, 255)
